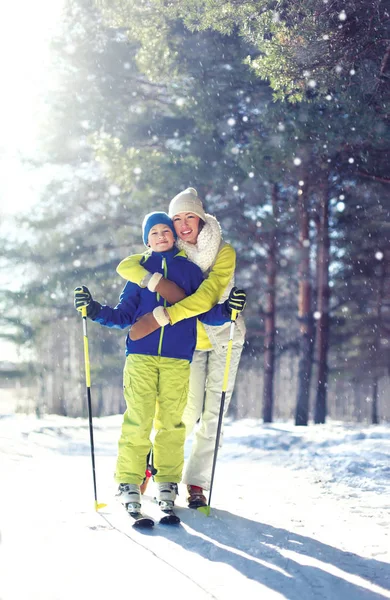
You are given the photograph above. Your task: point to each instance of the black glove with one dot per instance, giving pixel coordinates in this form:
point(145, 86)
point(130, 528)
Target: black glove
point(82, 297)
point(236, 300)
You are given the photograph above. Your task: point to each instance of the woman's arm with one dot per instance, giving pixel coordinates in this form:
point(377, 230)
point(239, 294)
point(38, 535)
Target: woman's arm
point(210, 291)
point(131, 270)
point(206, 296)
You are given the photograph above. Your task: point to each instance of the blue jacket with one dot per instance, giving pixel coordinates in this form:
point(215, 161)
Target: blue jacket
point(171, 341)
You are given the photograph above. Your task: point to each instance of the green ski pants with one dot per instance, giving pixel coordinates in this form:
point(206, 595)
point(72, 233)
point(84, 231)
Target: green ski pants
point(155, 391)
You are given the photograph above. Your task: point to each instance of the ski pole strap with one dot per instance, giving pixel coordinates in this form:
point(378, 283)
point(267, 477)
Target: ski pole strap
point(229, 350)
point(86, 349)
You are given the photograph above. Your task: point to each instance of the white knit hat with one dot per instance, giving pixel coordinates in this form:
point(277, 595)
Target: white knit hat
point(187, 201)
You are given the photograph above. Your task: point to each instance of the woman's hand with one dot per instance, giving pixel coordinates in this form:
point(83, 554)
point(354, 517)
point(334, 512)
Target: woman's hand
point(236, 300)
point(149, 323)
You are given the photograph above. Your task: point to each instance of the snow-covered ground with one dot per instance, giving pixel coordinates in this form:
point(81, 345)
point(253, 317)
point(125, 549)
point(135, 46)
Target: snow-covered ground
point(297, 513)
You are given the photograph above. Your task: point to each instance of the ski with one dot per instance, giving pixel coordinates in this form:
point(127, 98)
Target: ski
point(169, 518)
point(141, 521)
point(197, 504)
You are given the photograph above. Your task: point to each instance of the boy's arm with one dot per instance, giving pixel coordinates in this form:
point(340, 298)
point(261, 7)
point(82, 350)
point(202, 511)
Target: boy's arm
point(218, 315)
point(131, 270)
point(122, 316)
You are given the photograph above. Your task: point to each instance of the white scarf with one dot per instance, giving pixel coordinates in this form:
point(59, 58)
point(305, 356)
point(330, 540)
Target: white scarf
point(205, 251)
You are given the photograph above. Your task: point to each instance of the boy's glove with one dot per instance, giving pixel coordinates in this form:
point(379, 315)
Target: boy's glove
point(83, 297)
point(149, 323)
point(236, 300)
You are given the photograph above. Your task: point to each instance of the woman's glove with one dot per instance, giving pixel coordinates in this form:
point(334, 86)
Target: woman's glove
point(149, 323)
point(169, 290)
point(83, 297)
point(236, 300)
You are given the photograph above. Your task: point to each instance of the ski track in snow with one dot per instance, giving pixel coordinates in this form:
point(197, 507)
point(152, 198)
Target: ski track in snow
point(297, 513)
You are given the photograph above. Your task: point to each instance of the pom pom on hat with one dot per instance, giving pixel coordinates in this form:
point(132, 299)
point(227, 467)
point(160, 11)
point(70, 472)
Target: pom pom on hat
point(187, 201)
point(156, 218)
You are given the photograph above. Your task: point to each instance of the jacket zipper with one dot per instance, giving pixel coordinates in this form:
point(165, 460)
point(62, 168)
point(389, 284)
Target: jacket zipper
point(165, 270)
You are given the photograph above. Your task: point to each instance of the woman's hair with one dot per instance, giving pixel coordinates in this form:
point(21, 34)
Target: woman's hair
point(201, 225)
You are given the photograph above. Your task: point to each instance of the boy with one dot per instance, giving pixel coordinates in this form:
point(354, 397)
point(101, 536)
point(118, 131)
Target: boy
point(157, 367)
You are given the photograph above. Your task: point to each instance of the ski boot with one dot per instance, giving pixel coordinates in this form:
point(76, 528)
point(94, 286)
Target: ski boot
point(130, 496)
point(195, 496)
point(166, 495)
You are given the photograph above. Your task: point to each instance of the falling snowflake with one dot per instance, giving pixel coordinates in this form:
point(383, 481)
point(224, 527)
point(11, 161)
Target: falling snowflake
point(231, 122)
point(113, 190)
point(297, 161)
point(343, 15)
point(379, 255)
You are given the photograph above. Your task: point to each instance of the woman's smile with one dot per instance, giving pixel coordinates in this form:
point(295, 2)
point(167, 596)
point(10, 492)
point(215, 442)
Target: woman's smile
point(187, 226)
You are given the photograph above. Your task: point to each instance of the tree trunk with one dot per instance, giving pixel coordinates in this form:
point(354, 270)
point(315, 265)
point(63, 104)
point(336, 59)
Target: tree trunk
point(374, 407)
point(270, 317)
point(304, 314)
point(323, 293)
point(377, 341)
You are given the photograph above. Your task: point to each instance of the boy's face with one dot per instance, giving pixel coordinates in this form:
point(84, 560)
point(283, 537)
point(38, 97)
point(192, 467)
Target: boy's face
point(161, 238)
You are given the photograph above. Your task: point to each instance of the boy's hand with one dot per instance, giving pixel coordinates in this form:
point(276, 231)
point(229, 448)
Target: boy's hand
point(83, 297)
point(149, 323)
point(236, 300)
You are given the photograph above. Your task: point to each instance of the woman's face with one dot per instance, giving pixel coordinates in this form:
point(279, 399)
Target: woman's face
point(186, 225)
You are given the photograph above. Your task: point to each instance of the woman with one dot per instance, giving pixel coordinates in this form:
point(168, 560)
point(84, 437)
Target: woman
point(199, 235)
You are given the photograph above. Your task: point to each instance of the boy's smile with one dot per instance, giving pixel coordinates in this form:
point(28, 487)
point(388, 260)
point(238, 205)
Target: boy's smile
point(161, 238)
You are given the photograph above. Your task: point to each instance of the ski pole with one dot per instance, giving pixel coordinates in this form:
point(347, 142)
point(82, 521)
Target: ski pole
point(88, 384)
point(206, 509)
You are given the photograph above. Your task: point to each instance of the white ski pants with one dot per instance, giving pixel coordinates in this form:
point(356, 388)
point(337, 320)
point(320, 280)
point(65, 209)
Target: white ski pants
point(204, 401)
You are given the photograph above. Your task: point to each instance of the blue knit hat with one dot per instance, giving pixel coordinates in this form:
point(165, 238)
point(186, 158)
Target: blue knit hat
point(156, 218)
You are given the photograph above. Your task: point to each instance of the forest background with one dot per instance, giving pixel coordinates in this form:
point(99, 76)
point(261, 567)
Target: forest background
point(278, 114)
